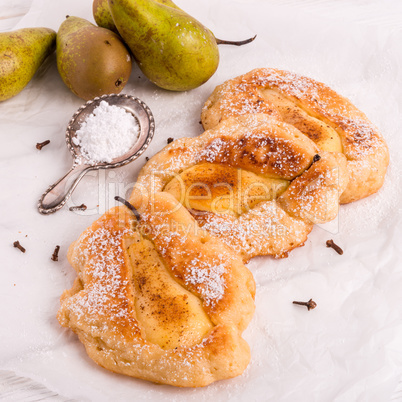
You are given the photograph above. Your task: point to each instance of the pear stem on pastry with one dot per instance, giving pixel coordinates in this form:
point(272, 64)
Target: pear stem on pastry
point(129, 206)
point(316, 158)
point(235, 43)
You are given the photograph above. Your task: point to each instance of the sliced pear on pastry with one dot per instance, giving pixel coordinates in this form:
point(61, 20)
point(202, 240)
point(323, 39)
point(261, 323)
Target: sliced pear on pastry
point(223, 189)
point(170, 316)
point(317, 130)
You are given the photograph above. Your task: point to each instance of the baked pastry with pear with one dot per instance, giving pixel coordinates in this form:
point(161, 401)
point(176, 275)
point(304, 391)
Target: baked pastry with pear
point(255, 182)
point(158, 298)
point(320, 113)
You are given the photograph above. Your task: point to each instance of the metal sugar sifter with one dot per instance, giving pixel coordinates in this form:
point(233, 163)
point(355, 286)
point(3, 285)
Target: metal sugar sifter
point(57, 194)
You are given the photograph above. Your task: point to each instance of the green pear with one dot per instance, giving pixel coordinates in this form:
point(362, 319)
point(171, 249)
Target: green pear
point(92, 61)
point(172, 49)
point(21, 54)
point(102, 16)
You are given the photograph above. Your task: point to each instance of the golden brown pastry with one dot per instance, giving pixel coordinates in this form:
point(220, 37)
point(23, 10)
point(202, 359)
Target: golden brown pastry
point(327, 118)
point(159, 299)
point(255, 182)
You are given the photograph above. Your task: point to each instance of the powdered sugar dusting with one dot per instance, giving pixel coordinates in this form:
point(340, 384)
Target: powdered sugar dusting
point(261, 152)
point(108, 133)
point(319, 99)
point(265, 230)
point(104, 294)
point(208, 277)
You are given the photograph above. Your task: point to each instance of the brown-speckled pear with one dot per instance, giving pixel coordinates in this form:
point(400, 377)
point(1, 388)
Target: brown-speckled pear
point(92, 61)
point(21, 54)
point(173, 49)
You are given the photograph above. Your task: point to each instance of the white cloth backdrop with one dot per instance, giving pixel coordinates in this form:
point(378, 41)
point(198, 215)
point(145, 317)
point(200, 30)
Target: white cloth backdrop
point(350, 347)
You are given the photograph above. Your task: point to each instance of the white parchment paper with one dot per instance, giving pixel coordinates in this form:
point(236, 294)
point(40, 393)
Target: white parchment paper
point(350, 347)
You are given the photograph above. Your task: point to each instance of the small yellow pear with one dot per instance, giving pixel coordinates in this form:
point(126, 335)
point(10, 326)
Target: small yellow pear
point(21, 54)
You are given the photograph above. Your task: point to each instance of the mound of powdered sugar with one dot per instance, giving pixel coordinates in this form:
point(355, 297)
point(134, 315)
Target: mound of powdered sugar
point(107, 133)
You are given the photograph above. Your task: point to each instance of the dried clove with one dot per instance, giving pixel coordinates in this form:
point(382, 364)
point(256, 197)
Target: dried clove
point(129, 206)
point(55, 255)
point(40, 145)
point(81, 207)
point(310, 304)
point(17, 244)
point(330, 243)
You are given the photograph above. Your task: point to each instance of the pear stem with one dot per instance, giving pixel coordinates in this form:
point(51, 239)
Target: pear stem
point(235, 43)
point(129, 206)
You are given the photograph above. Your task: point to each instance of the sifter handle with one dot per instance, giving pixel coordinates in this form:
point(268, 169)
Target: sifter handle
point(57, 194)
